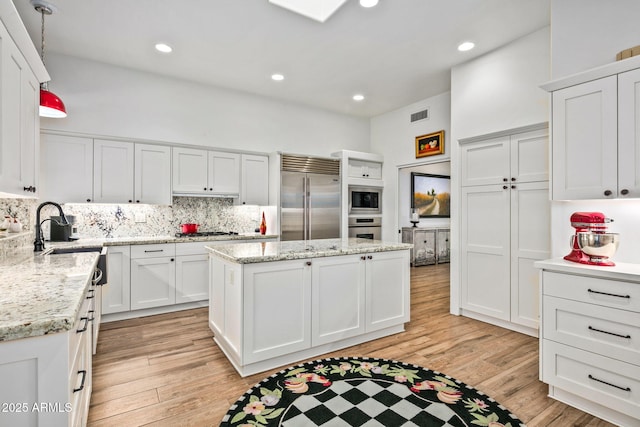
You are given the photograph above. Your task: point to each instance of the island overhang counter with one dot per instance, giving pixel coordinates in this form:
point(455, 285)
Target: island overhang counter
point(275, 303)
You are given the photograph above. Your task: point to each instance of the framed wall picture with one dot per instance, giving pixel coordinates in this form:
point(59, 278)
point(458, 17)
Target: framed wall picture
point(431, 195)
point(430, 144)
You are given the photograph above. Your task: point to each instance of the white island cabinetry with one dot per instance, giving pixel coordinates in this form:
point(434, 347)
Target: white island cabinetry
point(280, 310)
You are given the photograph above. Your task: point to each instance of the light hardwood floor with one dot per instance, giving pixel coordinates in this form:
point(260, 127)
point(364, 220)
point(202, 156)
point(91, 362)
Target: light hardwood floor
point(166, 370)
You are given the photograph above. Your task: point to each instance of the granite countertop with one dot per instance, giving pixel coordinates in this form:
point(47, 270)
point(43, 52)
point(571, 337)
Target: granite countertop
point(146, 240)
point(42, 294)
point(621, 271)
point(248, 253)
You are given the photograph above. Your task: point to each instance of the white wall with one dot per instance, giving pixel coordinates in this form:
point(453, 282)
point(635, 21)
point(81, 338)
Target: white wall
point(393, 136)
point(589, 33)
point(105, 100)
point(495, 92)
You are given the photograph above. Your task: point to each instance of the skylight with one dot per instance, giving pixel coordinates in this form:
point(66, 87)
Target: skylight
point(319, 10)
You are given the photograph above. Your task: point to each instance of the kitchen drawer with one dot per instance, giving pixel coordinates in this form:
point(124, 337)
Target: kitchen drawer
point(153, 251)
point(609, 293)
point(609, 382)
point(606, 331)
point(77, 332)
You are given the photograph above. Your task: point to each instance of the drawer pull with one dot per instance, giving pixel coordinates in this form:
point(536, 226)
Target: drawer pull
point(608, 294)
point(92, 314)
point(84, 377)
point(156, 250)
point(591, 377)
point(84, 328)
point(90, 294)
point(591, 328)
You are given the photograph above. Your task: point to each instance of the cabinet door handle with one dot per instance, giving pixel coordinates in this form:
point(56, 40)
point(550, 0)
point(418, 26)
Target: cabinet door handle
point(624, 191)
point(155, 250)
point(504, 180)
point(172, 260)
point(513, 178)
point(591, 377)
point(84, 328)
point(608, 294)
point(308, 263)
point(591, 328)
point(205, 188)
point(369, 257)
point(130, 201)
point(90, 291)
point(92, 315)
point(84, 377)
point(363, 257)
point(607, 192)
point(137, 201)
point(513, 187)
point(88, 200)
point(504, 187)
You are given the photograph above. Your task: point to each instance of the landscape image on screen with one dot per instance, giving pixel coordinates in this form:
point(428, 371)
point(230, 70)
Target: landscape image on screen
point(431, 195)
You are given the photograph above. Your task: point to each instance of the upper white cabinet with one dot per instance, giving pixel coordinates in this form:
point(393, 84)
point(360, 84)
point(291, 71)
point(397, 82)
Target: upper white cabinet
point(152, 174)
point(82, 170)
point(66, 169)
point(20, 123)
point(505, 227)
point(364, 169)
point(113, 171)
point(596, 137)
point(255, 180)
point(202, 172)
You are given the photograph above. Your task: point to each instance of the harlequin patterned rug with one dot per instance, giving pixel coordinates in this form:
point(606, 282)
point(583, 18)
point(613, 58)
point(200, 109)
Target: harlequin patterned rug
point(351, 391)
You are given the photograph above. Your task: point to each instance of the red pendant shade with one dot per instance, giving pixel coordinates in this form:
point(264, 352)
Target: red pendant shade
point(51, 105)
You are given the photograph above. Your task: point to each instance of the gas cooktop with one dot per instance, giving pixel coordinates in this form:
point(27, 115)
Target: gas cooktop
point(208, 233)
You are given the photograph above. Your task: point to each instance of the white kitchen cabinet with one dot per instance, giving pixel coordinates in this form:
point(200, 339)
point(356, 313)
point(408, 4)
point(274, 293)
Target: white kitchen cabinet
point(224, 173)
point(19, 133)
point(387, 289)
point(267, 314)
point(152, 174)
point(153, 276)
point(203, 172)
point(66, 168)
point(255, 180)
point(589, 354)
point(505, 228)
point(277, 309)
point(47, 380)
point(192, 278)
point(364, 169)
point(338, 292)
point(113, 165)
point(116, 295)
point(596, 138)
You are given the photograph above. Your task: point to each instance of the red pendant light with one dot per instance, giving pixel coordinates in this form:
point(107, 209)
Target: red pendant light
point(50, 104)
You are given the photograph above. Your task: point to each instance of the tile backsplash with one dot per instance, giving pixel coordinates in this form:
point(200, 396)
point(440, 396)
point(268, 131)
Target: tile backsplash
point(125, 220)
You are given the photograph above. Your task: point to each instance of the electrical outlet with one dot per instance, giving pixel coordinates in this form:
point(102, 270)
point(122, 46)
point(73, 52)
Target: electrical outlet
point(140, 217)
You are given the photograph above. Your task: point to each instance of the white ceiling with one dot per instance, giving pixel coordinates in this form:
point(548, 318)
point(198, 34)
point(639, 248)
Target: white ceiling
point(396, 53)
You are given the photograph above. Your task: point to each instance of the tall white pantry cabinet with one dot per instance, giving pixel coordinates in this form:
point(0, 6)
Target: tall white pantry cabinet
point(504, 225)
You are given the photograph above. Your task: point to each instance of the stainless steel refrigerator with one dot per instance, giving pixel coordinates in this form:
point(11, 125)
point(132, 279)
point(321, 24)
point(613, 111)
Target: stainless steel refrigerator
point(309, 198)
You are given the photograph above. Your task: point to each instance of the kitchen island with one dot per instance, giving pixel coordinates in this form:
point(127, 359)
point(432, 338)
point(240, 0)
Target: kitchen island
point(275, 303)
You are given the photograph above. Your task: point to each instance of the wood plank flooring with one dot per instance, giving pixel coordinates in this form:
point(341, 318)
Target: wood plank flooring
point(166, 370)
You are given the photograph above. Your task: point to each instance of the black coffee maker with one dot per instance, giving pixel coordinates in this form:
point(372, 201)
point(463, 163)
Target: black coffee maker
point(63, 232)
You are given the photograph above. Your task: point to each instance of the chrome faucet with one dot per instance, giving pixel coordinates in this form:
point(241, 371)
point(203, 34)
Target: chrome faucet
point(38, 244)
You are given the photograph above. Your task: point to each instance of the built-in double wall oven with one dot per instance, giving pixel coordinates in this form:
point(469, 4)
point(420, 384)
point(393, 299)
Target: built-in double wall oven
point(365, 227)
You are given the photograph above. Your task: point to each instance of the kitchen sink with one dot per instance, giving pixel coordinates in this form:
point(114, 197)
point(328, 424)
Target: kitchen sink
point(102, 262)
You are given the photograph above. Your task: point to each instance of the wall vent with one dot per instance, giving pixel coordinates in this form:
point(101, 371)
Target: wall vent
point(420, 115)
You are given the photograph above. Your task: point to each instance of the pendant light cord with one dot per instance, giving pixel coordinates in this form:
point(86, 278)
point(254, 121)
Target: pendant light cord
point(42, 35)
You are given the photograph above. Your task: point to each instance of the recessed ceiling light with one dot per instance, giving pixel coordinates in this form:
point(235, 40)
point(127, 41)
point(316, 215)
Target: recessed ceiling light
point(463, 47)
point(358, 97)
point(368, 3)
point(277, 77)
point(164, 48)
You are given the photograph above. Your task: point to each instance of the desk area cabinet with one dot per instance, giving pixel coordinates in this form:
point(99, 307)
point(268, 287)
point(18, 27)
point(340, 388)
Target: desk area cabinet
point(430, 245)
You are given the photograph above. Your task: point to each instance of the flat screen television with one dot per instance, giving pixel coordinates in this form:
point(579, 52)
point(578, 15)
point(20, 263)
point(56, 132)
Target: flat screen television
point(431, 195)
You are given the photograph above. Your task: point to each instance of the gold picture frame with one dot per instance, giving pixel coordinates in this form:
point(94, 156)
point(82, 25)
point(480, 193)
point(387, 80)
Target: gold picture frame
point(430, 144)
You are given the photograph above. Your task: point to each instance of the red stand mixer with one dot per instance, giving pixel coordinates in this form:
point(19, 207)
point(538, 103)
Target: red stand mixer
point(592, 244)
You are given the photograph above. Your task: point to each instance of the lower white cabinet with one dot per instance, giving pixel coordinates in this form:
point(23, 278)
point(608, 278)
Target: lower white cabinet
point(589, 346)
point(266, 314)
point(192, 272)
point(47, 380)
point(116, 295)
point(153, 276)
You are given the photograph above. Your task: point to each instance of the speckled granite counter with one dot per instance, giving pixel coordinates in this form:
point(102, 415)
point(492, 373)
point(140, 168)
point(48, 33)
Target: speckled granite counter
point(42, 294)
point(145, 240)
point(248, 253)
